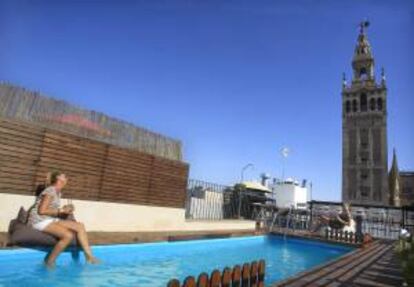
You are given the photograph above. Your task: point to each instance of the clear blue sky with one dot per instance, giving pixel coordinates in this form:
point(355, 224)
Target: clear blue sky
point(234, 80)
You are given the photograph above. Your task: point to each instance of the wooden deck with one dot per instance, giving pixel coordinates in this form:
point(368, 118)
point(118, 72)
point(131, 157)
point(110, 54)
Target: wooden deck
point(375, 265)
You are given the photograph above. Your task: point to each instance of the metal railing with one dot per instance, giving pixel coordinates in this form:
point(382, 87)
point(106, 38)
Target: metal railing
point(383, 222)
point(379, 221)
point(209, 201)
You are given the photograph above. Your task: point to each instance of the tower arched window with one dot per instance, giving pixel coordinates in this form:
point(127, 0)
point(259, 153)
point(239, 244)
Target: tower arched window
point(363, 73)
point(348, 106)
point(354, 106)
point(372, 104)
point(363, 102)
point(380, 104)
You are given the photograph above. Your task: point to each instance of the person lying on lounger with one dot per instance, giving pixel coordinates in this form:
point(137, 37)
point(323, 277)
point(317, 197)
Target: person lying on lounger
point(343, 220)
point(48, 216)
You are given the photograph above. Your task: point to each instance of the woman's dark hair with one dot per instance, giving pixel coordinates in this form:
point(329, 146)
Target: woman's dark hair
point(39, 189)
point(51, 178)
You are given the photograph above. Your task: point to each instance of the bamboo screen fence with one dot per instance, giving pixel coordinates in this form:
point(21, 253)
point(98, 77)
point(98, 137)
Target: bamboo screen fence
point(20, 104)
point(96, 170)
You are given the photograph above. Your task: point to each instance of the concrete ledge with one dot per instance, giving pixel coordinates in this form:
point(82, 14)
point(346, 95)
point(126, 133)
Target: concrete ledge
point(102, 238)
point(103, 216)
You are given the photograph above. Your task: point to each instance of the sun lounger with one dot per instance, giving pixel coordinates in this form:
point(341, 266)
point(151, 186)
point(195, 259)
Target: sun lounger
point(21, 234)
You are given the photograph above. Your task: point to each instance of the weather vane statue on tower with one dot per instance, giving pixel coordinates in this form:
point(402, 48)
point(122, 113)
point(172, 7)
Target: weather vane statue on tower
point(363, 25)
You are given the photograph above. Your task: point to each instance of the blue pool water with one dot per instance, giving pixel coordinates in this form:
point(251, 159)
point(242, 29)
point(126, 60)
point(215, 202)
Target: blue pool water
point(153, 264)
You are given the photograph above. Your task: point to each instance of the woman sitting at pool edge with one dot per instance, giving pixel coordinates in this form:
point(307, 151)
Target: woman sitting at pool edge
point(342, 220)
point(47, 216)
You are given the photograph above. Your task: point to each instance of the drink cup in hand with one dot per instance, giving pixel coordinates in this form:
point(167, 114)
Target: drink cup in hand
point(70, 205)
point(68, 209)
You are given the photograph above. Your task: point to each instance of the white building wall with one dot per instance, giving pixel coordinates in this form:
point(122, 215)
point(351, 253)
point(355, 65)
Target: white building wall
point(117, 217)
point(301, 196)
point(290, 195)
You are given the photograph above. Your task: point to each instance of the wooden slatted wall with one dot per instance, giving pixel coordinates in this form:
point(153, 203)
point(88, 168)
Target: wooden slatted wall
point(96, 170)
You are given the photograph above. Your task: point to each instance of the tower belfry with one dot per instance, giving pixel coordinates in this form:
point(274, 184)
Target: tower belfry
point(364, 129)
point(363, 60)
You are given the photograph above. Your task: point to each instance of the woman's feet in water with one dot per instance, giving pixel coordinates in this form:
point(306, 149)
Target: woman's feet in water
point(92, 260)
point(52, 264)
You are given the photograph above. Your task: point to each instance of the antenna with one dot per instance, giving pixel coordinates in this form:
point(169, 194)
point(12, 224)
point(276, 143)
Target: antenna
point(284, 152)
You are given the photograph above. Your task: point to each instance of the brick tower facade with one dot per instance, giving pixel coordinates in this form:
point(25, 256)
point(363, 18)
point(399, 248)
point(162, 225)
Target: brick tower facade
point(364, 130)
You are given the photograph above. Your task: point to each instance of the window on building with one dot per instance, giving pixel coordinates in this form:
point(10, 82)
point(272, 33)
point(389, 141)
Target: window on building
point(364, 138)
point(363, 74)
point(348, 106)
point(363, 101)
point(354, 106)
point(364, 191)
point(407, 190)
point(372, 104)
point(364, 156)
point(379, 104)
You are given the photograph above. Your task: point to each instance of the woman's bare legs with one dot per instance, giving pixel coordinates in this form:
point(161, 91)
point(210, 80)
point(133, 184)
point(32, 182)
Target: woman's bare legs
point(82, 237)
point(322, 220)
point(65, 238)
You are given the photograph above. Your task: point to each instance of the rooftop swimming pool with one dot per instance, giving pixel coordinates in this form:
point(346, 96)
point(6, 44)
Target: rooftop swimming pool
point(153, 264)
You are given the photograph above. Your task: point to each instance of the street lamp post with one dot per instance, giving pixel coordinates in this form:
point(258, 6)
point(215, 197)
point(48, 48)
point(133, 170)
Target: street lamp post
point(241, 181)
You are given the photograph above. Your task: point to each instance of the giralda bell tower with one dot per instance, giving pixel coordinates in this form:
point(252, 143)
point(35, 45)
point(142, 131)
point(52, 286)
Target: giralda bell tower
point(364, 130)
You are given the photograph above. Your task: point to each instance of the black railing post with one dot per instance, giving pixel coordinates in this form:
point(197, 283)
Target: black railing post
point(358, 231)
point(311, 214)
